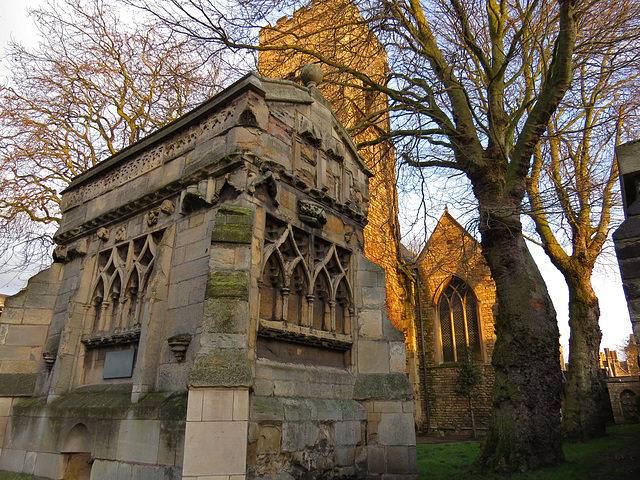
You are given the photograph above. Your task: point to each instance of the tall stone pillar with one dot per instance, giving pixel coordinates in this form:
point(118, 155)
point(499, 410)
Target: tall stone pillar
point(218, 405)
point(627, 236)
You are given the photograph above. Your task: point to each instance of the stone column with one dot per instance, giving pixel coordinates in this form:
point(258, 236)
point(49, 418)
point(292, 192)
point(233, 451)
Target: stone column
point(627, 236)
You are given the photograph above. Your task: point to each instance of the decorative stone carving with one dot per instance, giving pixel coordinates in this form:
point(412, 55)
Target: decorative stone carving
point(311, 213)
point(179, 345)
point(103, 234)
point(311, 75)
point(182, 143)
point(66, 253)
point(49, 359)
point(121, 234)
point(121, 336)
point(269, 180)
point(60, 254)
point(135, 167)
point(152, 217)
point(193, 198)
point(167, 207)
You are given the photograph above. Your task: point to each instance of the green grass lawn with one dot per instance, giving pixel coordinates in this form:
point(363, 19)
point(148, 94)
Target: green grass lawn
point(616, 456)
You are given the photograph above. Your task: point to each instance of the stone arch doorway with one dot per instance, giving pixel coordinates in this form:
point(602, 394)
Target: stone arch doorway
point(77, 454)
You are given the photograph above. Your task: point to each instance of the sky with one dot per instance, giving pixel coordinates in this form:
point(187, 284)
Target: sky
point(614, 318)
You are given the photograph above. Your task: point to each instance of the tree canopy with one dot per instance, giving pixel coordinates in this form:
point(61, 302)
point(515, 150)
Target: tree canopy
point(96, 82)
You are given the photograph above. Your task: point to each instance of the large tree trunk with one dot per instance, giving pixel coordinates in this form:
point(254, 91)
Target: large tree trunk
point(524, 429)
point(584, 413)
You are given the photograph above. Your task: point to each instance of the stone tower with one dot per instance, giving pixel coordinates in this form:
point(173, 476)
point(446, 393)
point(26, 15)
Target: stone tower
point(353, 45)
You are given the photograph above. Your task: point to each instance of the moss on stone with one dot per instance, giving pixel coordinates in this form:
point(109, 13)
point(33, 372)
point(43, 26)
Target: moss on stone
point(233, 225)
point(222, 368)
point(174, 407)
point(230, 283)
point(226, 315)
point(267, 409)
point(394, 386)
point(29, 406)
point(102, 405)
point(17, 384)
point(91, 405)
point(19, 476)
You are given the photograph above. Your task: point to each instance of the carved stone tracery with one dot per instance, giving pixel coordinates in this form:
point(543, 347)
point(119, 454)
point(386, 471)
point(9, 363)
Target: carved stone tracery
point(119, 291)
point(305, 291)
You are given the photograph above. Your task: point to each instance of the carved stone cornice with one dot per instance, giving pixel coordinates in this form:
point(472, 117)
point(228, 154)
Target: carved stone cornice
point(120, 336)
point(304, 335)
point(222, 166)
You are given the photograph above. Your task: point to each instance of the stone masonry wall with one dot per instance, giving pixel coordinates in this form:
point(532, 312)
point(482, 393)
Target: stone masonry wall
point(450, 411)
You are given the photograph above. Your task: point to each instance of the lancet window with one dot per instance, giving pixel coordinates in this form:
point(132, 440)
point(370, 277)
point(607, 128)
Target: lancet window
point(305, 280)
point(459, 328)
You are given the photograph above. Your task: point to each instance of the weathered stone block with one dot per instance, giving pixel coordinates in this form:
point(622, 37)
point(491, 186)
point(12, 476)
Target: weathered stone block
point(397, 357)
point(230, 283)
point(30, 462)
point(298, 410)
point(138, 441)
point(373, 356)
point(394, 385)
point(266, 409)
point(226, 315)
point(12, 315)
point(402, 460)
point(347, 433)
point(376, 460)
point(48, 465)
point(233, 225)
point(370, 323)
point(12, 460)
point(224, 367)
point(154, 472)
point(17, 384)
point(268, 440)
point(381, 406)
point(171, 444)
point(396, 429)
point(298, 435)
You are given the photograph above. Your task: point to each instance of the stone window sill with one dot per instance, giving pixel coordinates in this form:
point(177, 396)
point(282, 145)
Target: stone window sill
point(284, 331)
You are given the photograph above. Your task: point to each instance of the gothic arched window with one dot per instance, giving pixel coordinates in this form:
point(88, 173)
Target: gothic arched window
point(458, 315)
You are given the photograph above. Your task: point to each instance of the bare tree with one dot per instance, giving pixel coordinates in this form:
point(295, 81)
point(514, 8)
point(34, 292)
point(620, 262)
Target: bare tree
point(572, 189)
point(96, 83)
point(459, 98)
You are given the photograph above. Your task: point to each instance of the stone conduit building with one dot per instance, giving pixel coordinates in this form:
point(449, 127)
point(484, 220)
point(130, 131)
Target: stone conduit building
point(211, 313)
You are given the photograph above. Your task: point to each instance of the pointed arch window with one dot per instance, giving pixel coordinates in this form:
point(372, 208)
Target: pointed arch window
point(305, 294)
point(459, 327)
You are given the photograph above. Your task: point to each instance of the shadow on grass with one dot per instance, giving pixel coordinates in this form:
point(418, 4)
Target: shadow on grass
point(616, 456)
